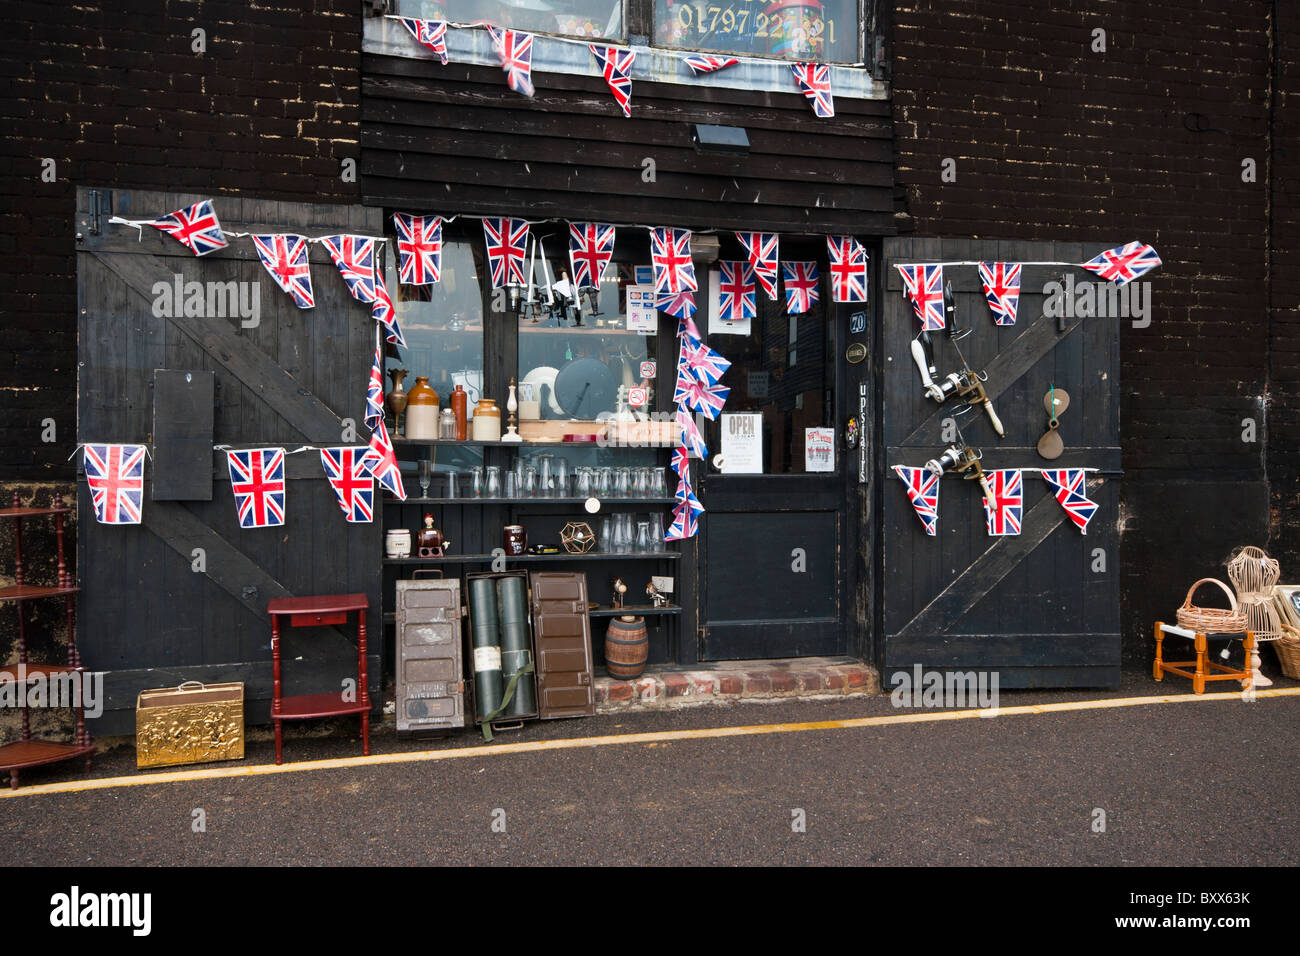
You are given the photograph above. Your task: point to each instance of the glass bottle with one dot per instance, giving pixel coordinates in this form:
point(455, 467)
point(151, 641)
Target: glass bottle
point(605, 542)
point(642, 543)
point(447, 425)
point(493, 489)
point(657, 543)
point(476, 481)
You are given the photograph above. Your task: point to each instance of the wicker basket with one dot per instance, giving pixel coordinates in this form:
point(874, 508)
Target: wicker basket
point(1212, 620)
point(1288, 651)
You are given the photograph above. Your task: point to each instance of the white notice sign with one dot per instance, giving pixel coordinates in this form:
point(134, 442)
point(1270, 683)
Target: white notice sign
point(819, 449)
point(742, 443)
point(641, 314)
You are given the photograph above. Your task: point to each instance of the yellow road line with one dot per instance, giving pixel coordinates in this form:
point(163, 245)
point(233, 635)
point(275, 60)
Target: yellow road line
point(662, 736)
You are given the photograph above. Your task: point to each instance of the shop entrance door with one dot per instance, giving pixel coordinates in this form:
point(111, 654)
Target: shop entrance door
point(773, 568)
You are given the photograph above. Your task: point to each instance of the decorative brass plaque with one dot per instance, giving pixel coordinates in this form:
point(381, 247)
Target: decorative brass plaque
point(189, 724)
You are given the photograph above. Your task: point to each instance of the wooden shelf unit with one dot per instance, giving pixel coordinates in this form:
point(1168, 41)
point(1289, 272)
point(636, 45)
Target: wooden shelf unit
point(29, 751)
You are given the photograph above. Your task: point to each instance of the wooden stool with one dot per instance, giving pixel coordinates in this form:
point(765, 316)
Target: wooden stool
point(320, 611)
point(1206, 669)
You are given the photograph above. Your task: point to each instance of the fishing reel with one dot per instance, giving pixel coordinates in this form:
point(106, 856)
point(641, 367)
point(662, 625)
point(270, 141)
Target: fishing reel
point(966, 383)
point(965, 461)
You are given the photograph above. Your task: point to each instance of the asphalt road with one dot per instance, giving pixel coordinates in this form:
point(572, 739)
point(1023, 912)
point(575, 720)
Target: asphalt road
point(1180, 784)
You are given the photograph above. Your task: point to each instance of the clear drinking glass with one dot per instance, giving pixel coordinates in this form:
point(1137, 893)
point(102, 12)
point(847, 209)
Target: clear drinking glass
point(426, 475)
point(606, 540)
point(512, 485)
point(493, 482)
point(530, 482)
point(584, 483)
point(657, 542)
point(476, 481)
point(545, 480)
point(642, 543)
point(562, 478)
point(453, 484)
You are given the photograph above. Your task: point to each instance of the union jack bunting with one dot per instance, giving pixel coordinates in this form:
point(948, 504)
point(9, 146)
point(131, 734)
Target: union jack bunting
point(677, 531)
point(591, 245)
point(701, 397)
point(507, 240)
point(692, 440)
point(196, 228)
point(381, 461)
point(923, 491)
point(684, 375)
point(285, 257)
point(257, 480)
point(681, 462)
point(383, 312)
point(924, 284)
point(1071, 488)
point(355, 258)
point(680, 305)
point(1125, 263)
point(762, 249)
point(353, 485)
point(1004, 513)
point(515, 50)
point(709, 64)
point(115, 474)
point(685, 495)
point(736, 297)
point(1002, 288)
point(848, 261)
point(670, 257)
point(703, 362)
point(814, 80)
point(429, 33)
point(375, 392)
point(419, 249)
point(687, 329)
point(617, 66)
point(801, 286)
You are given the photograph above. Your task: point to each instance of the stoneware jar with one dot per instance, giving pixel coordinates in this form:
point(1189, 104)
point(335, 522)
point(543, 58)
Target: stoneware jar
point(487, 420)
point(397, 543)
point(422, 411)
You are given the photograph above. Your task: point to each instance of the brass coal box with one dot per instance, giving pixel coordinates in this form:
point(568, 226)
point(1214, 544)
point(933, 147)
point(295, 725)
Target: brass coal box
point(192, 723)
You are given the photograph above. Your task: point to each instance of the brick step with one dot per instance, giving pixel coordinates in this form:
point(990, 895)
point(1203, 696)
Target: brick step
point(737, 680)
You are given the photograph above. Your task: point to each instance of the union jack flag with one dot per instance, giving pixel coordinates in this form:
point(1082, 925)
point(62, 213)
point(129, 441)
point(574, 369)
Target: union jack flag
point(257, 480)
point(848, 269)
point(680, 529)
point(515, 50)
point(381, 461)
point(617, 65)
point(692, 440)
point(700, 396)
point(355, 258)
point(591, 244)
point(736, 297)
point(687, 329)
point(419, 249)
point(762, 249)
point(1125, 263)
point(115, 474)
point(680, 305)
point(925, 286)
point(196, 228)
point(923, 491)
point(801, 286)
point(670, 256)
point(383, 312)
point(709, 64)
point(681, 462)
point(814, 80)
point(1004, 513)
point(429, 33)
point(685, 495)
point(1071, 488)
point(507, 240)
point(1002, 288)
point(285, 258)
point(703, 362)
point(375, 392)
point(352, 482)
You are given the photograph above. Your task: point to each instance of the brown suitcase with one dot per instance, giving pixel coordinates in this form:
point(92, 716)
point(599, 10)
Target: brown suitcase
point(430, 685)
point(562, 645)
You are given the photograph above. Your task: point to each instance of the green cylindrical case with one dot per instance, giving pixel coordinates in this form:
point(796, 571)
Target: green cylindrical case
point(489, 687)
point(516, 648)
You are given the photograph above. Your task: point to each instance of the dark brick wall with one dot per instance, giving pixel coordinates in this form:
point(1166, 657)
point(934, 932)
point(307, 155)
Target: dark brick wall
point(116, 96)
point(1145, 140)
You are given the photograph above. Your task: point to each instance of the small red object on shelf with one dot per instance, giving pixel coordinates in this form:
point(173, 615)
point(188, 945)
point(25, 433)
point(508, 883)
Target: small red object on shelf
point(318, 611)
point(580, 438)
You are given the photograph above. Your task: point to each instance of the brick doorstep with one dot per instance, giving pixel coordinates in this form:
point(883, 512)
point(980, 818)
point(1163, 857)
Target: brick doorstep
point(804, 677)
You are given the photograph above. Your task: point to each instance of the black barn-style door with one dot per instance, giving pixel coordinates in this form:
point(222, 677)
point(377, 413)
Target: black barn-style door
point(1040, 608)
point(183, 596)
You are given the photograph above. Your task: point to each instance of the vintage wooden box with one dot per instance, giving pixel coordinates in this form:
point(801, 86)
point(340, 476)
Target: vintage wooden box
point(192, 723)
point(562, 638)
point(430, 683)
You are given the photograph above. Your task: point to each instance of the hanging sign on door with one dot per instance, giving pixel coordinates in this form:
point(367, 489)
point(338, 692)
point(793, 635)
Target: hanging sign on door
point(742, 443)
point(819, 449)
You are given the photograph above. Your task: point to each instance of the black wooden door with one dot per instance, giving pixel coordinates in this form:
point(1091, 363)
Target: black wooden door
point(1040, 608)
point(773, 571)
point(183, 595)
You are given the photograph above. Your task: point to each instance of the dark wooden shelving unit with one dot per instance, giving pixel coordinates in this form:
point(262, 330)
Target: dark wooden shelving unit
point(29, 751)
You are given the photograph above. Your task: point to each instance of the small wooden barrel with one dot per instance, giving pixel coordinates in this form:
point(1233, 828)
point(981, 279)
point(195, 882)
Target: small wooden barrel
point(626, 648)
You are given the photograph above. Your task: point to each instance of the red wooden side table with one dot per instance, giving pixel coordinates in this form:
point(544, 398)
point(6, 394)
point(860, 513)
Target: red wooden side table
point(319, 611)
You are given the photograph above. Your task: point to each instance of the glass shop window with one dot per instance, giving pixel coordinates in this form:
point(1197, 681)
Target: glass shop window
point(780, 369)
point(443, 325)
point(576, 18)
point(821, 30)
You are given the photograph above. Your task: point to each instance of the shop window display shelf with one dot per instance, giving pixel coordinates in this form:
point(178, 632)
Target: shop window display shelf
point(542, 558)
point(605, 503)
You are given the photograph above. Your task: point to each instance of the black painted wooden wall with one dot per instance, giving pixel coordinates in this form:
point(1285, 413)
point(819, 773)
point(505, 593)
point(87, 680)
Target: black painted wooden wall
point(1029, 606)
point(146, 617)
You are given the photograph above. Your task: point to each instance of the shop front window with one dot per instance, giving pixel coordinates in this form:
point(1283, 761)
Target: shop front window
point(821, 30)
point(601, 19)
